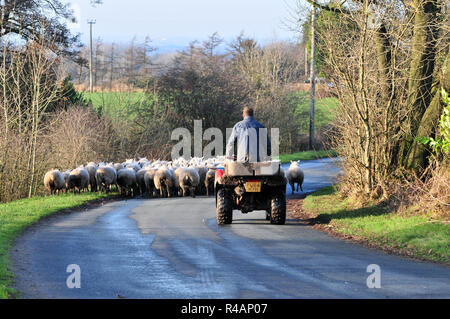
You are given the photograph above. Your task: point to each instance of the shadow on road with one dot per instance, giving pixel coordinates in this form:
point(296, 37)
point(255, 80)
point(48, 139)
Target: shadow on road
point(289, 222)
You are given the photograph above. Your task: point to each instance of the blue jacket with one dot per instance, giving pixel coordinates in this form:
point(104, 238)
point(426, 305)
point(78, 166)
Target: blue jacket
point(247, 133)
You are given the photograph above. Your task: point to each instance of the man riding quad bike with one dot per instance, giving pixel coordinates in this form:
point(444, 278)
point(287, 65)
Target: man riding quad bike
point(250, 181)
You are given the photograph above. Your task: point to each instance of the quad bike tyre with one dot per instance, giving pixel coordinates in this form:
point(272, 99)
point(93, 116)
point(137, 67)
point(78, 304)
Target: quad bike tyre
point(278, 210)
point(224, 208)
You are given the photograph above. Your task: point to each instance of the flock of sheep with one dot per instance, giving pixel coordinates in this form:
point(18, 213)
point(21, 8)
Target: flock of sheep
point(152, 178)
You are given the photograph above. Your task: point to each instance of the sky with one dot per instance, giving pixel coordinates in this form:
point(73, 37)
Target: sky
point(173, 24)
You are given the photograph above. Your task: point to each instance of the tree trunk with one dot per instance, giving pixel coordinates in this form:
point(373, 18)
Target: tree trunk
point(427, 128)
point(420, 76)
point(383, 44)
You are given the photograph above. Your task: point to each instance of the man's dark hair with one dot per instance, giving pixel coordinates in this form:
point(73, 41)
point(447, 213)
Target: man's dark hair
point(248, 111)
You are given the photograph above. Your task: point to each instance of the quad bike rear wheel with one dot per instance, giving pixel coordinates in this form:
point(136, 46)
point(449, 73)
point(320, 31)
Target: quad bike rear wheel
point(224, 208)
point(278, 209)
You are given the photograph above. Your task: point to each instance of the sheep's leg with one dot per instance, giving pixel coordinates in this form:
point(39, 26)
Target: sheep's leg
point(193, 192)
point(168, 191)
point(292, 187)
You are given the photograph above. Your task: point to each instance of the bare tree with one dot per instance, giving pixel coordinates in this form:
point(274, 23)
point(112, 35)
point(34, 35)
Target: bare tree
point(385, 66)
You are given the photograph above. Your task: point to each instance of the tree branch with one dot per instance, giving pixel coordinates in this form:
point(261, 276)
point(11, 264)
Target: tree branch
point(327, 7)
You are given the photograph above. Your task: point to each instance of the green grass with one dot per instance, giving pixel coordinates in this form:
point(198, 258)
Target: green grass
point(325, 111)
point(120, 104)
point(415, 235)
point(117, 104)
point(307, 155)
point(16, 216)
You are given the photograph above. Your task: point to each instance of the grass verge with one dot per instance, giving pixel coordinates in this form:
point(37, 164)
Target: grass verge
point(307, 155)
point(16, 216)
point(377, 226)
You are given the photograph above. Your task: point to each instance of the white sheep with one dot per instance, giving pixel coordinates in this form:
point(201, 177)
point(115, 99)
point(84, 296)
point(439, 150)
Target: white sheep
point(54, 181)
point(295, 175)
point(202, 170)
point(79, 179)
point(126, 180)
point(189, 180)
point(92, 169)
point(106, 176)
point(66, 175)
point(149, 181)
point(209, 180)
point(176, 177)
point(164, 181)
point(140, 179)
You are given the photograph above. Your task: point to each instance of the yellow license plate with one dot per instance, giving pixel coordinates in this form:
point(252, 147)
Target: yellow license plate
point(253, 187)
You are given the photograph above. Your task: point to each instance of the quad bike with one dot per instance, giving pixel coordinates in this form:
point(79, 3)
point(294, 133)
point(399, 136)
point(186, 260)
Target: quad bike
point(248, 187)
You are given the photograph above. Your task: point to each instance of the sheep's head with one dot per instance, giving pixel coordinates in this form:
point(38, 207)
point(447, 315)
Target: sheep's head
point(295, 163)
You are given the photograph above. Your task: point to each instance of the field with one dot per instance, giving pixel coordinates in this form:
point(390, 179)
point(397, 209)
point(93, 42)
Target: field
point(126, 103)
point(417, 235)
point(325, 109)
point(117, 104)
point(17, 215)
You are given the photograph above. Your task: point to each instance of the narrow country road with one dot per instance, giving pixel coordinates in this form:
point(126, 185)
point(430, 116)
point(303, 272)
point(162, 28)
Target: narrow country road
point(172, 248)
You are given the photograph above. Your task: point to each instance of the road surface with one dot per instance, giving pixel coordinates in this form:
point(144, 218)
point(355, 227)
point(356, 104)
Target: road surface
point(172, 248)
